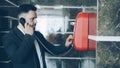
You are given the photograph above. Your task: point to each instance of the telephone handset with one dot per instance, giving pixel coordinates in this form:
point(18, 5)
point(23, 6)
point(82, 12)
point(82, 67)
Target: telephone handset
point(22, 21)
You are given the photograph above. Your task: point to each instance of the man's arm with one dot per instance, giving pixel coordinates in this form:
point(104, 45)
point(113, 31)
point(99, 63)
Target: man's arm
point(54, 50)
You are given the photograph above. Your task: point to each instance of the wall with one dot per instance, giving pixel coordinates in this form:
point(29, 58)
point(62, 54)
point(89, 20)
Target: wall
point(108, 55)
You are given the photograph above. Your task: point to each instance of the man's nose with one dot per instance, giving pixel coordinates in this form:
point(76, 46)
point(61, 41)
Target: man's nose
point(35, 21)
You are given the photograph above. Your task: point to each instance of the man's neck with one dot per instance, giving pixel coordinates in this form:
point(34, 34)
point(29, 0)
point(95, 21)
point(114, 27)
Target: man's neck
point(21, 28)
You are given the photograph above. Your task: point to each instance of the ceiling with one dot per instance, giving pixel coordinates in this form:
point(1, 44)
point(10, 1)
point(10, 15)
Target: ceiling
point(7, 7)
point(50, 2)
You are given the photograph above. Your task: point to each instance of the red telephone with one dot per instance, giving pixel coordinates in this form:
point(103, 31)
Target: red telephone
point(85, 25)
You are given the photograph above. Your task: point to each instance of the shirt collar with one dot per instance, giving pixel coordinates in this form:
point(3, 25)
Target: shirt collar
point(21, 30)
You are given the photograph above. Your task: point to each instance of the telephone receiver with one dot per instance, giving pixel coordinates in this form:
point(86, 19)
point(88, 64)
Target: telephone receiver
point(22, 21)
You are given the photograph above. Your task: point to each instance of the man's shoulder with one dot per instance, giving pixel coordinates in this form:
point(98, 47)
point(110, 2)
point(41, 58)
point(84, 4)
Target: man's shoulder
point(38, 33)
point(10, 34)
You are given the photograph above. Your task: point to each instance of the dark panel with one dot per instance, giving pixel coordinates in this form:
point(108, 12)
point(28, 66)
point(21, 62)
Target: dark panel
point(6, 65)
point(1, 38)
point(4, 24)
point(3, 55)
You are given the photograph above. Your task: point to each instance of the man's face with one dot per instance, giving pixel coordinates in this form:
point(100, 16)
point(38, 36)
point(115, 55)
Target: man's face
point(31, 18)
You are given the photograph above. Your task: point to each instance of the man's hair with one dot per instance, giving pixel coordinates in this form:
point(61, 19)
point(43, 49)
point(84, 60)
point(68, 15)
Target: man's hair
point(25, 8)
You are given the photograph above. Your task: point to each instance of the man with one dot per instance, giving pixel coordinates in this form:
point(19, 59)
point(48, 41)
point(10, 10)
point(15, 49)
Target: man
point(26, 47)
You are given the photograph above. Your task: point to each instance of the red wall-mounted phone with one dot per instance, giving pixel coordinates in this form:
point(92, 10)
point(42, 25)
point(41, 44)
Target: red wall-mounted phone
point(85, 25)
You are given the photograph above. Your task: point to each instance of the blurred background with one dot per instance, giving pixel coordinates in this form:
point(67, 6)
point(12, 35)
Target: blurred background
point(56, 19)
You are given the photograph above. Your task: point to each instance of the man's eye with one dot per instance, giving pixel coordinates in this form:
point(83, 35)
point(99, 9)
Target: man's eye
point(32, 18)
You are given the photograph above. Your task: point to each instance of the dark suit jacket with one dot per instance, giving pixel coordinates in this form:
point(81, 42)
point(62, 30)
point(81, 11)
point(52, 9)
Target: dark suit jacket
point(21, 50)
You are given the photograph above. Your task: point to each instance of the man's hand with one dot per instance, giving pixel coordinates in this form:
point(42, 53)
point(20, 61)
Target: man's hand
point(29, 29)
point(69, 40)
